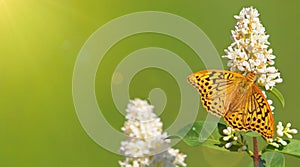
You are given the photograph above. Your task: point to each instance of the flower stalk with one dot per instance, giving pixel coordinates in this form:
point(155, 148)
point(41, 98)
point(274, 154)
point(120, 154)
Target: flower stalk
point(256, 155)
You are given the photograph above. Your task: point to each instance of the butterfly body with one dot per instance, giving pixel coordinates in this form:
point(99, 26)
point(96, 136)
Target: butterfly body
point(236, 98)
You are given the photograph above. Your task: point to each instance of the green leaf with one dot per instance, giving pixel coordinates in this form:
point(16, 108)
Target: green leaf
point(214, 141)
point(273, 159)
point(270, 159)
point(193, 133)
point(252, 134)
point(191, 138)
point(279, 95)
point(292, 148)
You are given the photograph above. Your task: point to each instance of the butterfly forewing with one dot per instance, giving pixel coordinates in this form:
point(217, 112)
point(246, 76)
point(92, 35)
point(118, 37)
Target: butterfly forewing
point(236, 98)
point(215, 88)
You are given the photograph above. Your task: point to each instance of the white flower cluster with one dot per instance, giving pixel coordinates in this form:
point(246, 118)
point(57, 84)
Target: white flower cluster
point(147, 144)
point(233, 138)
point(249, 51)
point(281, 131)
point(285, 131)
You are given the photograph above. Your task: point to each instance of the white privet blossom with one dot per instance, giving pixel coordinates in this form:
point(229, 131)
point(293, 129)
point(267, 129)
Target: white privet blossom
point(233, 139)
point(281, 132)
point(285, 131)
point(147, 144)
point(249, 51)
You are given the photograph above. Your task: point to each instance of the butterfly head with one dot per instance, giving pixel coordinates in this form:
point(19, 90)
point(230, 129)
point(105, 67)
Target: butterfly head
point(250, 76)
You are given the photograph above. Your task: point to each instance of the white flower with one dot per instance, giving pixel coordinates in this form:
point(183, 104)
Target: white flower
point(146, 144)
point(143, 129)
point(293, 131)
point(244, 148)
point(228, 145)
point(227, 131)
point(231, 138)
point(277, 142)
point(229, 134)
point(135, 148)
point(139, 110)
point(273, 143)
point(280, 129)
point(249, 51)
point(280, 140)
point(179, 157)
point(285, 131)
point(226, 138)
point(134, 162)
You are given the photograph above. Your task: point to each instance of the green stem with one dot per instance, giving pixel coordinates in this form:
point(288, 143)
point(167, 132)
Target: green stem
point(255, 152)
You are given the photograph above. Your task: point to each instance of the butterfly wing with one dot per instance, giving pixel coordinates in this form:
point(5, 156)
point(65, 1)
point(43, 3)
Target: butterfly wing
point(216, 88)
point(253, 113)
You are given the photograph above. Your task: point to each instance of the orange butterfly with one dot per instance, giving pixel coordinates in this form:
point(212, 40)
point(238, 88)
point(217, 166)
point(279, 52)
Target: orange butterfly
point(235, 97)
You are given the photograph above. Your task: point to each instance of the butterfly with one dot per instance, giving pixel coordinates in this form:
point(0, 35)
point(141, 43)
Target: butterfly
point(236, 98)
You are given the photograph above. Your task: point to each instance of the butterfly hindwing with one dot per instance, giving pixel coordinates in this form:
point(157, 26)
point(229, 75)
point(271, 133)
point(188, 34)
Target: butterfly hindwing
point(254, 114)
point(260, 114)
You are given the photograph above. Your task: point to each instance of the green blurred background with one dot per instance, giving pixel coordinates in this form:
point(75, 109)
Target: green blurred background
point(40, 40)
